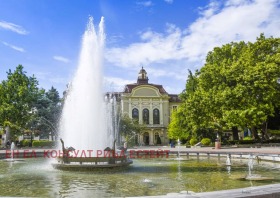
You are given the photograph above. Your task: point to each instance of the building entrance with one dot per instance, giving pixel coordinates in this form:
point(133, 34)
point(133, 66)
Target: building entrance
point(146, 138)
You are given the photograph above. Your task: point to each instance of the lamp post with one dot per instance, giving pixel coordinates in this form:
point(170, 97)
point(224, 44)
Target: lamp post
point(218, 142)
point(31, 135)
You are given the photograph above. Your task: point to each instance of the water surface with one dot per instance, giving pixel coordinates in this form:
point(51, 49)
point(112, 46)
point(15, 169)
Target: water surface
point(36, 177)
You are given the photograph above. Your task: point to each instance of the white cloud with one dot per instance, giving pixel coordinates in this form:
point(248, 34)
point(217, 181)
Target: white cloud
point(50, 78)
point(20, 49)
point(145, 3)
point(13, 27)
point(61, 59)
point(113, 39)
point(210, 9)
point(234, 22)
point(169, 1)
point(218, 24)
point(173, 90)
point(166, 73)
point(116, 84)
point(154, 48)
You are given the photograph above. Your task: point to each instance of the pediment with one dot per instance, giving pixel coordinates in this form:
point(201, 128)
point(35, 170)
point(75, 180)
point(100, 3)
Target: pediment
point(146, 91)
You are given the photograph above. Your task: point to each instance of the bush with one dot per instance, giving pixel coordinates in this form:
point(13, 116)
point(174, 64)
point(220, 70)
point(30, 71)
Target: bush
point(193, 141)
point(274, 132)
point(42, 143)
point(24, 143)
point(247, 138)
point(206, 141)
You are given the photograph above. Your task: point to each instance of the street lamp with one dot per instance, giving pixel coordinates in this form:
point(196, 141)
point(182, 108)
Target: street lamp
point(31, 135)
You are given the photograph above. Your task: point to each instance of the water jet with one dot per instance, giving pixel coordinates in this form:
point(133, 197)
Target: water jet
point(88, 120)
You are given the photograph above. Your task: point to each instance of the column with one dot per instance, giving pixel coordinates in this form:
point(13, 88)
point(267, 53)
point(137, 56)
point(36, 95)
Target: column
point(151, 137)
point(151, 112)
point(161, 112)
point(129, 108)
point(140, 111)
point(141, 139)
point(163, 137)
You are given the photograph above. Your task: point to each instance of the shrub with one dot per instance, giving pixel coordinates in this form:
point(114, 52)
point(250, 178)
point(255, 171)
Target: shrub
point(41, 143)
point(247, 141)
point(274, 132)
point(193, 141)
point(247, 138)
point(24, 143)
point(206, 141)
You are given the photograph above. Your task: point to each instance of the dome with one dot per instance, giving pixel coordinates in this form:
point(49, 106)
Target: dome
point(142, 76)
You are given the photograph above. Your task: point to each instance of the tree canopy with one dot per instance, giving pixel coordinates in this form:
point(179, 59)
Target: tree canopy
point(129, 128)
point(23, 104)
point(237, 87)
point(18, 95)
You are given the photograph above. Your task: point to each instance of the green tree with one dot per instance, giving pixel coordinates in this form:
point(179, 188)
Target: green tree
point(236, 88)
point(179, 127)
point(130, 128)
point(48, 110)
point(18, 94)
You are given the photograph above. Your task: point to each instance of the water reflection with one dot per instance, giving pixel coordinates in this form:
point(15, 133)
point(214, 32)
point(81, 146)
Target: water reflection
point(35, 177)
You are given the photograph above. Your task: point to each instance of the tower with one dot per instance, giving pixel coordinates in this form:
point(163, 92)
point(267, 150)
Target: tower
point(142, 77)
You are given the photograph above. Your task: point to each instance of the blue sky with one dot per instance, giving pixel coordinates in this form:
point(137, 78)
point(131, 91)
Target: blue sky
point(167, 37)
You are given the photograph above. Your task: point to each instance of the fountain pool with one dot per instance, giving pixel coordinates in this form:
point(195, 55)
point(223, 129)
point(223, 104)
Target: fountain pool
point(35, 177)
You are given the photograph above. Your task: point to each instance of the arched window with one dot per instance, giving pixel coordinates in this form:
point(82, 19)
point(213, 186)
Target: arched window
point(145, 116)
point(135, 114)
point(156, 116)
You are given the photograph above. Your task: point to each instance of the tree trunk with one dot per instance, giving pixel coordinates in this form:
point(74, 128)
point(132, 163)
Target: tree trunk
point(8, 135)
point(264, 131)
point(255, 133)
point(235, 133)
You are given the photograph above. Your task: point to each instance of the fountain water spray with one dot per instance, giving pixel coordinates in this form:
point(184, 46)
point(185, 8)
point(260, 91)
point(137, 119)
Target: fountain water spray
point(12, 151)
point(84, 125)
point(250, 165)
point(228, 163)
point(178, 150)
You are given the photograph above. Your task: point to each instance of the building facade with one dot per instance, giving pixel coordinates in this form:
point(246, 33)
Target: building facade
point(151, 105)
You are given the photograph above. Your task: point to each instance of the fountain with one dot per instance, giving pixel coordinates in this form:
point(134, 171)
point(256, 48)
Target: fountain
point(86, 122)
point(250, 176)
point(11, 159)
point(178, 151)
point(254, 177)
point(228, 163)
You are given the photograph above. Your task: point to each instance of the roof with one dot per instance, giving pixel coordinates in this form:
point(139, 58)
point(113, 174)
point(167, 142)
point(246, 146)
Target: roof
point(128, 88)
point(174, 98)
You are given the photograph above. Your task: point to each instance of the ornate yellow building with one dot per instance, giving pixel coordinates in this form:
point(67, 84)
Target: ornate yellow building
point(151, 105)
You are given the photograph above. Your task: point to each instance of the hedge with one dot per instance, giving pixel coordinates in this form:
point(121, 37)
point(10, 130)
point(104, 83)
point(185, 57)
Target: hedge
point(274, 132)
point(232, 142)
point(42, 143)
point(25, 143)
